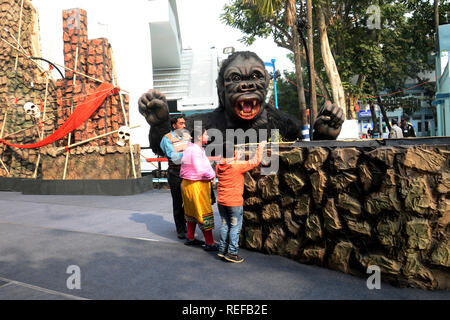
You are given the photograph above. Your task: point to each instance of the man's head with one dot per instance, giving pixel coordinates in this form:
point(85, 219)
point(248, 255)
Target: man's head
point(178, 122)
point(403, 122)
point(242, 85)
point(394, 121)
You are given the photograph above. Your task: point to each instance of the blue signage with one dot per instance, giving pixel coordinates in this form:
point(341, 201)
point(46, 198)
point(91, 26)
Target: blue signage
point(365, 113)
point(436, 102)
point(442, 95)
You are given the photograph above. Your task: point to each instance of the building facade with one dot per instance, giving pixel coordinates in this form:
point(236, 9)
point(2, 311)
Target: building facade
point(442, 99)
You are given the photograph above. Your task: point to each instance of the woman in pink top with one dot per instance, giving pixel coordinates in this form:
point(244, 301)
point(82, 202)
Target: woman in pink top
point(197, 173)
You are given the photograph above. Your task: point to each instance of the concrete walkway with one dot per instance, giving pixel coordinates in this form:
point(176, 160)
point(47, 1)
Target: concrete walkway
point(126, 248)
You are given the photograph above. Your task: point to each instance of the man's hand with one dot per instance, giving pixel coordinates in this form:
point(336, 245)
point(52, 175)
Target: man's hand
point(329, 122)
point(153, 106)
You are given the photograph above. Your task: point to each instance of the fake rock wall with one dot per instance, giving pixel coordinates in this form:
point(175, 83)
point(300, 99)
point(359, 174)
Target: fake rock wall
point(91, 163)
point(25, 81)
point(349, 208)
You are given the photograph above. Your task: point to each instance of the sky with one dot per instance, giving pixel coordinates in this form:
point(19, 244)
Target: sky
point(126, 25)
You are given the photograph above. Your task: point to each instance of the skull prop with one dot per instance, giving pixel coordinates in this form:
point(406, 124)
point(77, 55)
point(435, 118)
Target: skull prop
point(124, 136)
point(31, 110)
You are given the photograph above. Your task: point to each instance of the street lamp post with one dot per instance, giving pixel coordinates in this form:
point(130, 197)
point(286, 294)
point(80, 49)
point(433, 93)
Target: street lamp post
point(272, 64)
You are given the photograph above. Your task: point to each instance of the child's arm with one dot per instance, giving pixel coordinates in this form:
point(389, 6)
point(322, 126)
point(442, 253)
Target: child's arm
point(255, 161)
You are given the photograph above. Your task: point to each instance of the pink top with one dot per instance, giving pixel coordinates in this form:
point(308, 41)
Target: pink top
point(195, 164)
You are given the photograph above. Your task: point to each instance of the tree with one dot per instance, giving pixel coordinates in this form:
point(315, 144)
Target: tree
point(329, 62)
point(376, 48)
point(268, 9)
point(313, 102)
point(254, 22)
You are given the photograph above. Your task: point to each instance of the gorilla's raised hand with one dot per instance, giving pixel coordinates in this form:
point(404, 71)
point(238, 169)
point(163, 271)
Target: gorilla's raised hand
point(329, 122)
point(153, 106)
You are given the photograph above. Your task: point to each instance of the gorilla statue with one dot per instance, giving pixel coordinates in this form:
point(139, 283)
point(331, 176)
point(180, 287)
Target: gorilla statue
point(242, 88)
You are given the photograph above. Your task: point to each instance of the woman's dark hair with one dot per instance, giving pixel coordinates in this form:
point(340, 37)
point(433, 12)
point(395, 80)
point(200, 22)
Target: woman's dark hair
point(199, 129)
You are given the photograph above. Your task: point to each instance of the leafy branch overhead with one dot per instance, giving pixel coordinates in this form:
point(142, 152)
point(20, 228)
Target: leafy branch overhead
point(381, 45)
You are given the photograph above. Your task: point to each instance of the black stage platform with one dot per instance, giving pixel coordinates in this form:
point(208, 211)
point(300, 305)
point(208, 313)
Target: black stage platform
point(78, 187)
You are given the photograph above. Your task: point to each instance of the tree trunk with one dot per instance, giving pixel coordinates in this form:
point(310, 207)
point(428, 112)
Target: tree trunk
point(299, 75)
point(313, 101)
point(322, 87)
point(330, 64)
point(380, 104)
point(319, 81)
point(374, 118)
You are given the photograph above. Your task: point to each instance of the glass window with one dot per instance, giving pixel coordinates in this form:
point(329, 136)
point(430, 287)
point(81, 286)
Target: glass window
point(419, 126)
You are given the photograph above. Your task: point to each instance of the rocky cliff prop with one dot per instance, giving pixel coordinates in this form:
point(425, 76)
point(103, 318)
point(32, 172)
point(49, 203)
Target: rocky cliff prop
point(348, 208)
point(32, 108)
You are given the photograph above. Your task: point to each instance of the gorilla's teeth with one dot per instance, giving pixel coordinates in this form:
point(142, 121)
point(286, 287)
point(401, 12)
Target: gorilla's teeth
point(242, 104)
point(254, 103)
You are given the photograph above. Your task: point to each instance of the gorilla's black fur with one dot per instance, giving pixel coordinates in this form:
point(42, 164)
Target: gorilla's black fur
point(242, 88)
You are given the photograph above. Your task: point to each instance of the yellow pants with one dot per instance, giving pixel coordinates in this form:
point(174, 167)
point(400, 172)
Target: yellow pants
point(196, 199)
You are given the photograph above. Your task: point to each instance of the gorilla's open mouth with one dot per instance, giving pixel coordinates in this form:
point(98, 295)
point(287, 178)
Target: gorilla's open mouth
point(247, 108)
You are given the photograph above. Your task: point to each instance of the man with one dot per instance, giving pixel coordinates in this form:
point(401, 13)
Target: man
point(173, 145)
point(407, 129)
point(396, 132)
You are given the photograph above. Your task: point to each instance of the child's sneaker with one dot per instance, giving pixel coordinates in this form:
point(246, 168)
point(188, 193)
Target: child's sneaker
point(233, 258)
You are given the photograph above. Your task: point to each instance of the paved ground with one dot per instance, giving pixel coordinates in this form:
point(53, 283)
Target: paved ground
point(126, 248)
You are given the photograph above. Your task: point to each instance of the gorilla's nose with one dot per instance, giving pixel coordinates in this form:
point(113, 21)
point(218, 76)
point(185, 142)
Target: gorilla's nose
point(244, 86)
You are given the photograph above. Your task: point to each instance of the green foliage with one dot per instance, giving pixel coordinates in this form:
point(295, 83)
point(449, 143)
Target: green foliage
point(387, 56)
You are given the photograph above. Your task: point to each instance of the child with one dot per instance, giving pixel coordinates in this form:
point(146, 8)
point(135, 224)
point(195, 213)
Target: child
point(196, 172)
point(230, 172)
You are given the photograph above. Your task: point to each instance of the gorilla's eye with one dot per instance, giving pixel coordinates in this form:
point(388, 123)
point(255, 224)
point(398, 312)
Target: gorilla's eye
point(255, 76)
point(236, 78)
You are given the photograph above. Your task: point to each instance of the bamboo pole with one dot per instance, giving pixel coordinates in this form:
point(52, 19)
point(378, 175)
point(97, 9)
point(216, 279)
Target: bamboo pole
point(22, 130)
point(43, 119)
point(4, 166)
point(150, 162)
point(61, 66)
point(268, 143)
point(1, 137)
point(91, 139)
point(71, 111)
point(18, 37)
point(4, 124)
point(23, 52)
point(123, 111)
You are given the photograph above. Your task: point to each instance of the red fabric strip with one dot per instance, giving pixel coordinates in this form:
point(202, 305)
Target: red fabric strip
point(80, 115)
